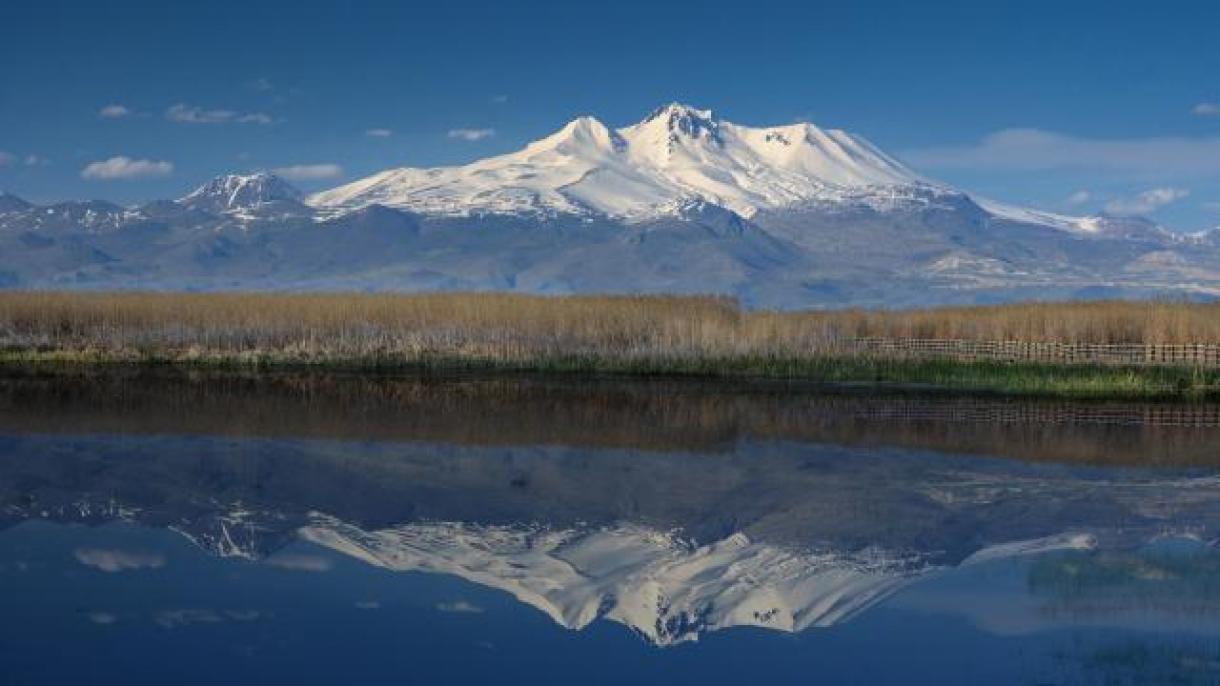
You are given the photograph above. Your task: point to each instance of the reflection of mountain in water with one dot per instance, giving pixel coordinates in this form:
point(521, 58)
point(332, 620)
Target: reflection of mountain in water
point(709, 510)
point(666, 589)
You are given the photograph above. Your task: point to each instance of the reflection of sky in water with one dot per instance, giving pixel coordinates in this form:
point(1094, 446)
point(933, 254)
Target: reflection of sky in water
point(609, 533)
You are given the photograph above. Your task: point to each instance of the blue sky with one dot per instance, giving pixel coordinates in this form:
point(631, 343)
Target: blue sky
point(1071, 106)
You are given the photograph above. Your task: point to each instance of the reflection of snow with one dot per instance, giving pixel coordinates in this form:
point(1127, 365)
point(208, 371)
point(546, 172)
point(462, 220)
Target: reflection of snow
point(666, 589)
point(1033, 547)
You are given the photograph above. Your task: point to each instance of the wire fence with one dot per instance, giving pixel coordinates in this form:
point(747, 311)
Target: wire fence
point(1133, 354)
point(982, 411)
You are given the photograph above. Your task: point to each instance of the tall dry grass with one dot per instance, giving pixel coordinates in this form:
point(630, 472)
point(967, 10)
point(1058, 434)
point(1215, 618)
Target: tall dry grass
point(509, 327)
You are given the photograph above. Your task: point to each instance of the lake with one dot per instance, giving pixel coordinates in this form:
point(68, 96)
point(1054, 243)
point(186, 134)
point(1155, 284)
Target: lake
point(204, 527)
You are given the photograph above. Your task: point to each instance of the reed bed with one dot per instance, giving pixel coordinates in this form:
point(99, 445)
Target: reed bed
point(646, 334)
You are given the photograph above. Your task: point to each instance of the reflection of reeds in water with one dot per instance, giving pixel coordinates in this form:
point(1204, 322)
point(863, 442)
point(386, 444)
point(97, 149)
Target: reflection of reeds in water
point(645, 415)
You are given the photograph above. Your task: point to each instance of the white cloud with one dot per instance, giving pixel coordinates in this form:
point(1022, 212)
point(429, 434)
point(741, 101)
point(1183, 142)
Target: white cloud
point(1036, 150)
point(472, 134)
point(459, 607)
point(499, 99)
point(261, 85)
point(309, 172)
point(368, 605)
point(113, 111)
point(123, 167)
point(102, 618)
point(300, 563)
point(1146, 202)
point(254, 118)
point(1080, 197)
point(118, 560)
point(190, 114)
point(379, 133)
point(1206, 109)
point(7, 158)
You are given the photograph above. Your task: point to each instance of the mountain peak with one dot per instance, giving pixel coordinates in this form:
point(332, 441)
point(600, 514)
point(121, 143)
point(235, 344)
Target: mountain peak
point(679, 110)
point(680, 119)
point(12, 203)
point(581, 134)
point(240, 191)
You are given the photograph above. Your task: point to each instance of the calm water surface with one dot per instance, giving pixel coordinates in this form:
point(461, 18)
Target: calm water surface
point(204, 528)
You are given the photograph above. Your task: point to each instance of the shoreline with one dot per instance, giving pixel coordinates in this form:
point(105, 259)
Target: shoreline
point(935, 376)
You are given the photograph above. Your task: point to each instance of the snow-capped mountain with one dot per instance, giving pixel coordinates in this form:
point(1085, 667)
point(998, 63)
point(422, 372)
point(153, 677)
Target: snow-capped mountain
point(677, 156)
point(237, 192)
point(680, 202)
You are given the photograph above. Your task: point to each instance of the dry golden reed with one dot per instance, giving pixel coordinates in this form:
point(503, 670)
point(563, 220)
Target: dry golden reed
point(510, 327)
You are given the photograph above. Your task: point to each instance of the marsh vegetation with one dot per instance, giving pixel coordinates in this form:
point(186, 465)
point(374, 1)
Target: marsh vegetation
point(705, 336)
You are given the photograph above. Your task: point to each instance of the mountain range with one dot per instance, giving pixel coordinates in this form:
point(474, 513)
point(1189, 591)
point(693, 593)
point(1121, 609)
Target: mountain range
point(681, 202)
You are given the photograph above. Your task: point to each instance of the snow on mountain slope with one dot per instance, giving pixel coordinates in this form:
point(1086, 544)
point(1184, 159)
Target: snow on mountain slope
point(674, 158)
point(235, 192)
point(1024, 215)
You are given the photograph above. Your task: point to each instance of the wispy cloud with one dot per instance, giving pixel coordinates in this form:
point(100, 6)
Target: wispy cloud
point(499, 99)
point(309, 172)
point(1036, 150)
point(113, 111)
point(1078, 198)
point(459, 607)
point(110, 560)
point(1212, 206)
point(8, 159)
point(471, 134)
point(300, 563)
point(1206, 109)
point(379, 133)
point(261, 84)
point(123, 167)
point(190, 114)
point(1146, 202)
point(103, 618)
